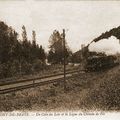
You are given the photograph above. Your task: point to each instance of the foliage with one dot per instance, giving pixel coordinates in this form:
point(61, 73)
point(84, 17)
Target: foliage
point(56, 52)
point(18, 56)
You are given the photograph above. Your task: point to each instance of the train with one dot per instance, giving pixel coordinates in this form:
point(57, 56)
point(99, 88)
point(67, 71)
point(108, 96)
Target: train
point(100, 62)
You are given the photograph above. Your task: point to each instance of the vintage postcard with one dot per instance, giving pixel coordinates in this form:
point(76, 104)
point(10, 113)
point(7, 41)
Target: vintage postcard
point(59, 59)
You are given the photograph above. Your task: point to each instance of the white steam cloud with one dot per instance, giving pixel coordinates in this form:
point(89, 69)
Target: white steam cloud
point(109, 46)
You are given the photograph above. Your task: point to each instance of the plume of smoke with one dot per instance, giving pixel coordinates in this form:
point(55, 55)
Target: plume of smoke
point(113, 32)
point(109, 46)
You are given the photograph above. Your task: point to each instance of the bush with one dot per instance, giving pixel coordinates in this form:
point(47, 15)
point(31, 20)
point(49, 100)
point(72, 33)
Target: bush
point(9, 69)
point(26, 68)
point(38, 65)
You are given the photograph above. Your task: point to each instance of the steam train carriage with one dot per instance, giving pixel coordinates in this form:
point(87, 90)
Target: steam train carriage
point(97, 63)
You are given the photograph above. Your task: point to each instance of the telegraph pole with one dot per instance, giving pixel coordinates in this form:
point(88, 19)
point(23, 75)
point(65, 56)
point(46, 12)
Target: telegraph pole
point(64, 51)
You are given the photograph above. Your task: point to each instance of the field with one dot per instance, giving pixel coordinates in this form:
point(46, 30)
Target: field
point(85, 91)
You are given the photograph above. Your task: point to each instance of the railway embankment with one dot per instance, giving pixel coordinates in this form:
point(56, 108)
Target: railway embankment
point(85, 91)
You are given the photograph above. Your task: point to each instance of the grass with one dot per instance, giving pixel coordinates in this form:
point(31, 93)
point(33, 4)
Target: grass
point(106, 94)
point(49, 70)
point(85, 91)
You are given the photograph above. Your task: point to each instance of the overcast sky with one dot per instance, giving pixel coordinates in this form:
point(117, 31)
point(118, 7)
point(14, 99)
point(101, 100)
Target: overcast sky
point(83, 20)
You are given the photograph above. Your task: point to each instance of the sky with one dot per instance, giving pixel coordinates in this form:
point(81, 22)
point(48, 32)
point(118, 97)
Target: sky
point(82, 20)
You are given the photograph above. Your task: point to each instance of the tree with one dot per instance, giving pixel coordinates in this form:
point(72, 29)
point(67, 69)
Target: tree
point(13, 36)
point(56, 54)
point(24, 33)
point(33, 38)
point(19, 56)
point(34, 47)
point(8, 55)
point(4, 42)
point(42, 55)
point(25, 46)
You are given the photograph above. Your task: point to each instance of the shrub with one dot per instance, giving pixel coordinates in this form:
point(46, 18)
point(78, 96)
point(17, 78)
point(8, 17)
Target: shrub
point(38, 65)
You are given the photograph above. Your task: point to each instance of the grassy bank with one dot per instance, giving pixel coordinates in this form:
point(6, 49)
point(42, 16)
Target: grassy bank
point(89, 91)
point(48, 70)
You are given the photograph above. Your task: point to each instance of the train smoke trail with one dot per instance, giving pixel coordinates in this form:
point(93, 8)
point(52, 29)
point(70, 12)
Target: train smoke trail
point(109, 46)
point(113, 32)
point(108, 42)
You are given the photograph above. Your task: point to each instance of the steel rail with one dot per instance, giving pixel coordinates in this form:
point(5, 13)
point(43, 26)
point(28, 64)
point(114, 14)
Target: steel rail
point(14, 89)
point(31, 79)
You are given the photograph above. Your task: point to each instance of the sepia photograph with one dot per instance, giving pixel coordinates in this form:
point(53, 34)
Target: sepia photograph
point(59, 56)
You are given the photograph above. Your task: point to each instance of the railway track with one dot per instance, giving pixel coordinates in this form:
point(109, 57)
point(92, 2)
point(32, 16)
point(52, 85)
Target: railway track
point(13, 86)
